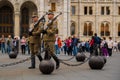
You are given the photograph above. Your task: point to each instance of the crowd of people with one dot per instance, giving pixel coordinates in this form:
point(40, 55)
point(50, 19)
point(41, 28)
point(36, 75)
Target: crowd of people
point(9, 44)
point(70, 46)
point(95, 46)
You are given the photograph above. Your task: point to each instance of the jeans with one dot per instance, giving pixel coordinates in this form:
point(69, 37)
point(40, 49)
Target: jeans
point(3, 48)
point(57, 50)
point(9, 49)
point(75, 51)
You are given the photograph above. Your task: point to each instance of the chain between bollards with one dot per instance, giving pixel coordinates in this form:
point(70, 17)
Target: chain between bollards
point(65, 63)
point(15, 63)
point(67, 59)
point(61, 60)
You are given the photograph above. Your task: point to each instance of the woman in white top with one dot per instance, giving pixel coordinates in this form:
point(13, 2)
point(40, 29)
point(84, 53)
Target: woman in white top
point(110, 46)
point(115, 46)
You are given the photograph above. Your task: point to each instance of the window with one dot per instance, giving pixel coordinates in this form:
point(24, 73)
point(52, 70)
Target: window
point(90, 29)
point(105, 29)
point(85, 10)
point(24, 21)
point(107, 33)
point(119, 29)
point(25, 17)
point(102, 29)
point(102, 11)
point(53, 6)
point(6, 21)
point(107, 11)
point(118, 10)
point(73, 28)
point(73, 10)
point(90, 10)
point(87, 29)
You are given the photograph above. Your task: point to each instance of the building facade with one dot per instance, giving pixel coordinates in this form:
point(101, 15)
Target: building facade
point(80, 17)
point(96, 16)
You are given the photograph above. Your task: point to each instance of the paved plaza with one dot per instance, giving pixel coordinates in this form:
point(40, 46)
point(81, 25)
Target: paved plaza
point(111, 70)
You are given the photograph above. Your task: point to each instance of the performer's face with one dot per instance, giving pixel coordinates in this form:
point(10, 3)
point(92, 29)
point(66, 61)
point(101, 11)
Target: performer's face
point(35, 19)
point(50, 16)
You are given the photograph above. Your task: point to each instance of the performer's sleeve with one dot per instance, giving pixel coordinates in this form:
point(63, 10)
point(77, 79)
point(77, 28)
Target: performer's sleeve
point(37, 33)
point(54, 28)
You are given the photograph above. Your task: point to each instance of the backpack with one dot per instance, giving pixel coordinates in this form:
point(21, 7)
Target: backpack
point(105, 45)
point(97, 40)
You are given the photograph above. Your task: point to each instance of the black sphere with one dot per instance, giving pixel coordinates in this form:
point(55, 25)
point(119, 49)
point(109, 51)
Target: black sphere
point(46, 66)
point(80, 57)
point(96, 62)
point(12, 55)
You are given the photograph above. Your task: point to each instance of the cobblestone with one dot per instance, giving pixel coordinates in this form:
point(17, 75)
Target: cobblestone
point(111, 70)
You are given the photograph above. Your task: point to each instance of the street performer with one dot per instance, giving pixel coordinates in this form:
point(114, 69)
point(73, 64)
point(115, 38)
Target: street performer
point(50, 30)
point(34, 39)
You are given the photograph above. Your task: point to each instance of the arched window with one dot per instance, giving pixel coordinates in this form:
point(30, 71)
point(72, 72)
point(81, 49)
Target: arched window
point(6, 21)
point(107, 33)
point(85, 29)
point(105, 29)
point(25, 21)
point(119, 29)
point(27, 10)
point(102, 29)
point(72, 28)
point(88, 29)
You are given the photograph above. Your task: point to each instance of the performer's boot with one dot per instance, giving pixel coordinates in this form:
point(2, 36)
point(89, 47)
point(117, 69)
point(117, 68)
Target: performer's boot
point(32, 62)
point(39, 57)
point(56, 60)
point(47, 56)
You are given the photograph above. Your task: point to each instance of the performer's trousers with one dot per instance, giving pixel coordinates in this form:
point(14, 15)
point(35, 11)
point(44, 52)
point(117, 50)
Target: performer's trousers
point(49, 52)
point(34, 51)
point(33, 59)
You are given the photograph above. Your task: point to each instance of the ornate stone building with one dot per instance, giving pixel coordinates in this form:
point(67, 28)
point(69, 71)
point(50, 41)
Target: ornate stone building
point(96, 16)
point(80, 17)
point(15, 15)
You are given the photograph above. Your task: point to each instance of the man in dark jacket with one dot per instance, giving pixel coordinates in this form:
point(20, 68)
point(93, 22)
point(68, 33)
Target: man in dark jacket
point(97, 41)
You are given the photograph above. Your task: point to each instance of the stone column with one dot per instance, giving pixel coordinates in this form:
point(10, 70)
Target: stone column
point(41, 8)
point(81, 23)
point(60, 18)
point(96, 20)
point(17, 23)
point(66, 17)
point(114, 26)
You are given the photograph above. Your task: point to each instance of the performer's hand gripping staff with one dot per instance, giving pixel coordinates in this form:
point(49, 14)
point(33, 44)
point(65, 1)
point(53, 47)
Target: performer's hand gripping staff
point(39, 20)
point(50, 23)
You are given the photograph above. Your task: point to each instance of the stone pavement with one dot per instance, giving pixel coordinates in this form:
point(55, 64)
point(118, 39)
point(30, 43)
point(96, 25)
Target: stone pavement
point(111, 70)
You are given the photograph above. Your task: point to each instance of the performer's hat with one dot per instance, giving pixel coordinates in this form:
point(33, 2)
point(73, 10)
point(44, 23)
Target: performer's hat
point(50, 12)
point(34, 15)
